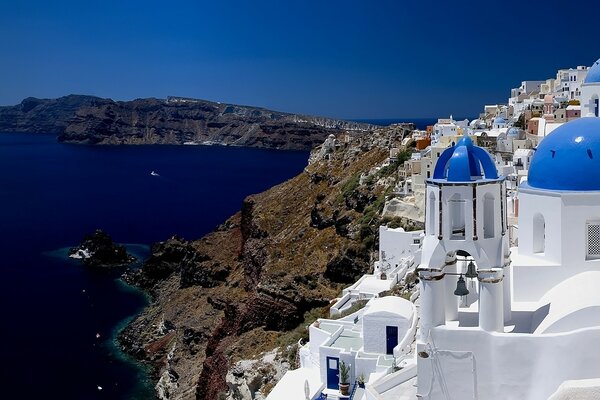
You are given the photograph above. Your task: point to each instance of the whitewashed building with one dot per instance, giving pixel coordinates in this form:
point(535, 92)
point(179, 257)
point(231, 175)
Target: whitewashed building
point(568, 82)
point(531, 319)
point(444, 127)
point(590, 92)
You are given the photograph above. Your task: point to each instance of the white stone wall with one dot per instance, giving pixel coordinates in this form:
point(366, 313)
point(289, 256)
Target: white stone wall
point(565, 239)
point(476, 364)
point(374, 331)
point(348, 358)
point(397, 244)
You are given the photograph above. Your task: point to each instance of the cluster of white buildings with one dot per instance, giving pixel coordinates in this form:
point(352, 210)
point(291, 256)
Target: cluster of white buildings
point(508, 269)
point(534, 319)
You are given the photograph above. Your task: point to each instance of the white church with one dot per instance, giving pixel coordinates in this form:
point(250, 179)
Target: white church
point(500, 323)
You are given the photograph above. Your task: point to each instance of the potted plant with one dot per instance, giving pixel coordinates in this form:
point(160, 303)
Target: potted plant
point(361, 381)
point(344, 378)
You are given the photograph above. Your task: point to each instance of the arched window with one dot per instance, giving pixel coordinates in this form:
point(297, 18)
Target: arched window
point(456, 217)
point(539, 233)
point(431, 213)
point(488, 216)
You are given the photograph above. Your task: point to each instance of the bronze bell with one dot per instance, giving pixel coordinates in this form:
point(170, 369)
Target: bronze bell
point(461, 287)
point(471, 271)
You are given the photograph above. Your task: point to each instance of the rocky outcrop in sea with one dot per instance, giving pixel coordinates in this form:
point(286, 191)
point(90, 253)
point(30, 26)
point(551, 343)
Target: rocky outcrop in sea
point(99, 250)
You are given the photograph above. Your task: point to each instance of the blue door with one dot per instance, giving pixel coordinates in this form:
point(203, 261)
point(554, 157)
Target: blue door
point(333, 373)
point(391, 339)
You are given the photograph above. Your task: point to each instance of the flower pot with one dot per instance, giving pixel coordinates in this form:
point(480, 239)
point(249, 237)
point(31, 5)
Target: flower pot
point(344, 389)
point(361, 385)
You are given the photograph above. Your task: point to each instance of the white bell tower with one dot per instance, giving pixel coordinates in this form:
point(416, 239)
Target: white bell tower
point(465, 212)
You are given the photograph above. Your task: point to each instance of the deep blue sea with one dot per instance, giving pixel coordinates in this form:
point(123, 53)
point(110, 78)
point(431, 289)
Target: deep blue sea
point(51, 195)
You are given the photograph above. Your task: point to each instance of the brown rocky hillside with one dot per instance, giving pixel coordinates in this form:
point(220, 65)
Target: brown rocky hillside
point(253, 284)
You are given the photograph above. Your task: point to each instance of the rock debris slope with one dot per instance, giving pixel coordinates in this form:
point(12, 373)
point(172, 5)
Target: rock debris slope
point(252, 285)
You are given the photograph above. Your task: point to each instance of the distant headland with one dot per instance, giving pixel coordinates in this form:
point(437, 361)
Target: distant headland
point(175, 120)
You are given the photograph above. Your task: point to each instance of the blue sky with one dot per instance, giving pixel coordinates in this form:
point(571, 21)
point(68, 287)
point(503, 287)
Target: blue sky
point(348, 59)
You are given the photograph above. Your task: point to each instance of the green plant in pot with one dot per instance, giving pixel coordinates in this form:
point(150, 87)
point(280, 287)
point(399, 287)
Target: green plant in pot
point(344, 378)
point(361, 381)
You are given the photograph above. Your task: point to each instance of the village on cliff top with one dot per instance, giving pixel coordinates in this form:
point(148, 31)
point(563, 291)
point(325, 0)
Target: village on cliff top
point(500, 297)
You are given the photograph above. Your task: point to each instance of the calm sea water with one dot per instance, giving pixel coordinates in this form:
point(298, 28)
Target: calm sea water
point(51, 195)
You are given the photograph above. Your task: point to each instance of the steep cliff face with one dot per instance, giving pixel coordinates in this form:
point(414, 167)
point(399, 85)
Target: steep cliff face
point(91, 120)
point(201, 122)
point(249, 287)
point(50, 116)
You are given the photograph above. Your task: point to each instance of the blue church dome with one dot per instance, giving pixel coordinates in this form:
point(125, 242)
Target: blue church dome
point(499, 120)
point(464, 162)
point(593, 75)
point(513, 132)
point(568, 158)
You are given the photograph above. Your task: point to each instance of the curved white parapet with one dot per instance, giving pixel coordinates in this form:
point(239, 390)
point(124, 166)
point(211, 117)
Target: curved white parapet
point(377, 389)
point(409, 337)
point(584, 389)
point(574, 304)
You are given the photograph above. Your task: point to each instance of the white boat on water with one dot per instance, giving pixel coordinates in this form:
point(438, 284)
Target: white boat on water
point(153, 173)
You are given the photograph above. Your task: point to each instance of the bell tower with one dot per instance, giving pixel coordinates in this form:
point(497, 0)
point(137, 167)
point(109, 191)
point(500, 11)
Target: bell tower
point(465, 214)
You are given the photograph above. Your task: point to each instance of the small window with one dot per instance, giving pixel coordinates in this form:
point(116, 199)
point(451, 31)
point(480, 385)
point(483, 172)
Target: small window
point(431, 216)
point(593, 240)
point(416, 241)
point(539, 234)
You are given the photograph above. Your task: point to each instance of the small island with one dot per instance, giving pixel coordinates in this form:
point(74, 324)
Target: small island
point(99, 250)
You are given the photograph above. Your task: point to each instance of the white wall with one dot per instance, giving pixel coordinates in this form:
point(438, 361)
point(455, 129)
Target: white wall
point(565, 240)
point(317, 337)
point(483, 365)
point(397, 244)
point(348, 358)
point(374, 331)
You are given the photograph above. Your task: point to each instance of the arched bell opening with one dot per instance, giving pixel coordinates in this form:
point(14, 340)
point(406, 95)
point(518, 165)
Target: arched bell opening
point(489, 216)
point(466, 289)
point(457, 217)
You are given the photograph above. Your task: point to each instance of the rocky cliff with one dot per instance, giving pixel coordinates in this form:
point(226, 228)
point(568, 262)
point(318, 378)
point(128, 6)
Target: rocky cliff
point(92, 120)
point(50, 116)
point(252, 285)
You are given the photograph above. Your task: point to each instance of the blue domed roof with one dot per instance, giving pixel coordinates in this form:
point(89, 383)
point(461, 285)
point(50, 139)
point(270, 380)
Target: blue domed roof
point(513, 132)
point(568, 158)
point(499, 120)
point(464, 162)
point(593, 75)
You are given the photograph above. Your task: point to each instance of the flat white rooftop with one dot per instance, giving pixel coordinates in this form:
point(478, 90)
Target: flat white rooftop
point(292, 385)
